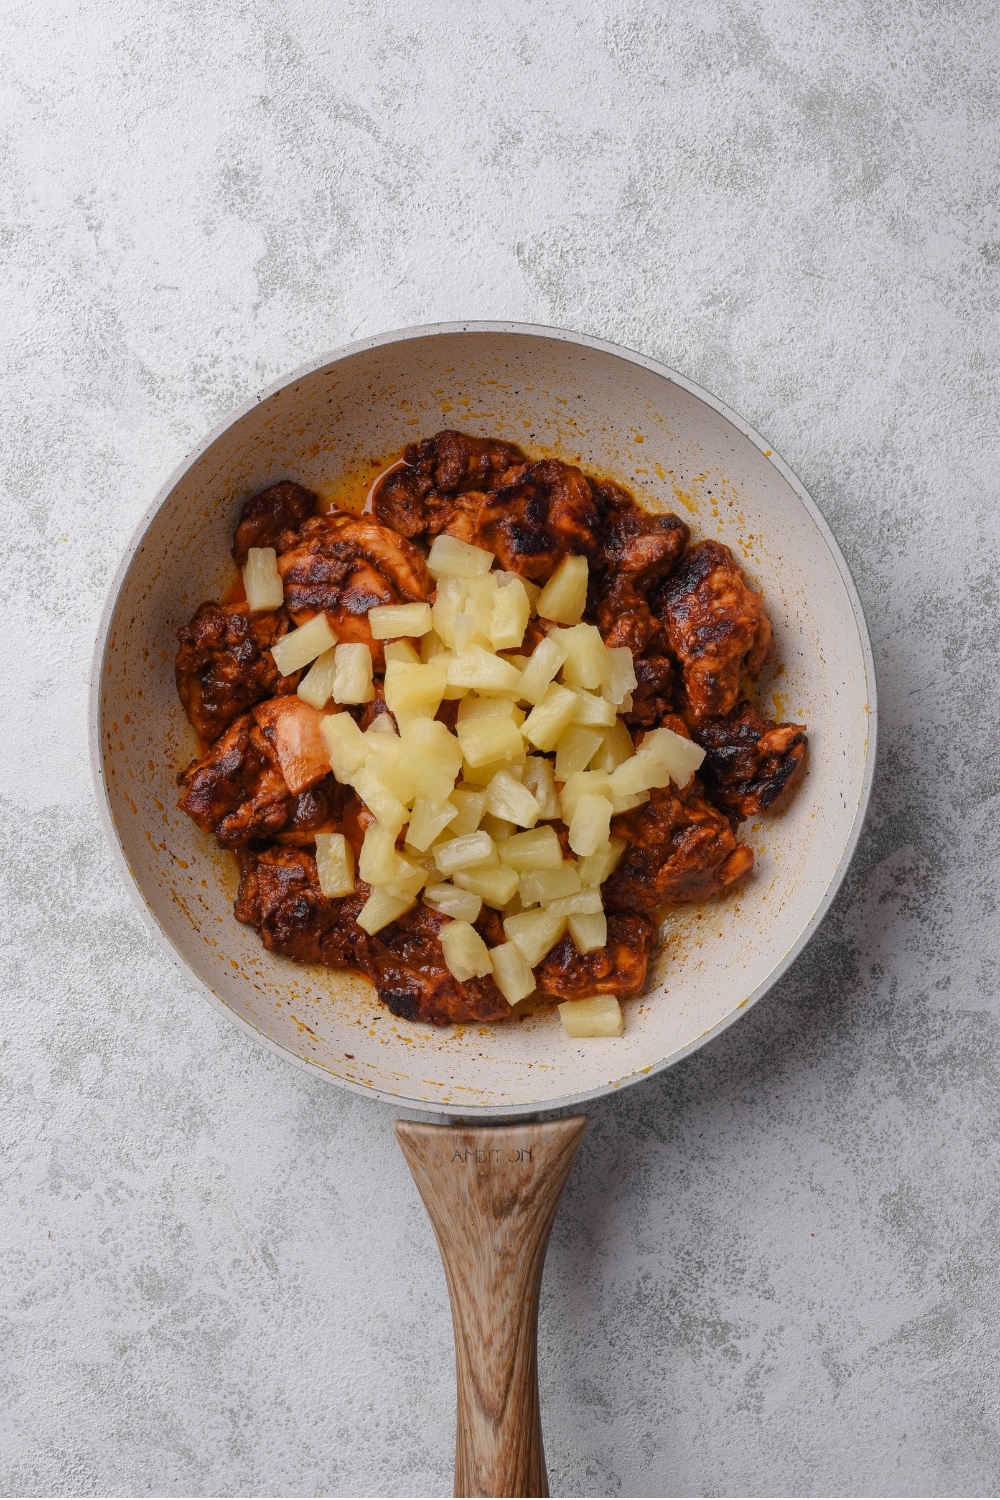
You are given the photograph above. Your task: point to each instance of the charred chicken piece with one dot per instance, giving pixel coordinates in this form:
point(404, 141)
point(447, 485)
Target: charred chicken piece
point(635, 550)
point(532, 523)
point(344, 565)
point(653, 696)
point(716, 626)
point(237, 790)
point(751, 763)
point(279, 896)
point(320, 809)
point(678, 848)
point(406, 964)
point(418, 499)
point(224, 666)
point(265, 517)
point(617, 969)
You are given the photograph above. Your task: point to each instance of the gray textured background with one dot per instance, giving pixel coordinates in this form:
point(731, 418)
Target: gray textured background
point(775, 1270)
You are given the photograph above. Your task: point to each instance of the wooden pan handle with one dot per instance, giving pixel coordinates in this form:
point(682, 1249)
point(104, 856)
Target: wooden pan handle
point(492, 1194)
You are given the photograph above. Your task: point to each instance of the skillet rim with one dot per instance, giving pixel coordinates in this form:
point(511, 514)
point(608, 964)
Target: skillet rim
point(134, 547)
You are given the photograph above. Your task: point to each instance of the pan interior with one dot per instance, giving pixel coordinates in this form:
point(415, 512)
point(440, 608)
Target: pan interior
point(615, 416)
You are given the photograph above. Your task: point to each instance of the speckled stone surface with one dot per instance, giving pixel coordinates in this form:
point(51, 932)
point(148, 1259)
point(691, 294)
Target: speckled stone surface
point(775, 1271)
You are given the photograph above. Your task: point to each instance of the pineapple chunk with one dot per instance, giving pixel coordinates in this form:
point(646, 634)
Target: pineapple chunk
point(588, 661)
point(590, 824)
point(564, 596)
point(388, 622)
point(575, 748)
point(381, 908)
point(582, 783)
point(465, 906)
point(539, 778)
point(663, 756)
point(431, 645)
point(538, 849)
point(465, 953)
point(601, 1015)
point(401, 651)
point(390, 763)
point(376, 796)
point(459, 853)
point(427, 820)
point(550, 717)
point(531, 589)
point(507, 798)
point(483, 671)
point(474, 621)
point(377, 860)
point(316, 687)
point(510, 614)
point(489, 708)
point(534, 933)
point(511, 972)
point(594, 712)
point(583, 903)
point(299, 647)
point(491, 880)
point(335, 865)
point(346, 746)
point(616, 747)
point(352, 682)
point(414, 689)
point(450, 558)
point(490, 741)
point(622, 680)
point(589, 931)
point(409, 879)
point(498, 829)
point(471, 804)
point(543, 664)
point(550, 883)
point(449, 601)
point(432, 757)
point(595, 868)
point(262, 582)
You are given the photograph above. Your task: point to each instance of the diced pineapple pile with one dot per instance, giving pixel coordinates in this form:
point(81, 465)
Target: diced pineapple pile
point(538, 738)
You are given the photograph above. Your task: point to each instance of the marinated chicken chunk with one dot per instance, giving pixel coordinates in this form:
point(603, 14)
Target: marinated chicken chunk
point(224, 665)
point(635, 550)
point(653, 695)
point(531, 524)
point(344, 565)
point(678, 848)
point(279, 896)
point(717, 628)
point(751, 763)
point(617, 969)
point(417, 499)
point(267, 516)
point(405, 962)
point(237, 790)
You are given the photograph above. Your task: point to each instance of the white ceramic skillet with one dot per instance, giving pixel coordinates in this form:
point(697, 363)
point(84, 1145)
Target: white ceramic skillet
point(332, 425)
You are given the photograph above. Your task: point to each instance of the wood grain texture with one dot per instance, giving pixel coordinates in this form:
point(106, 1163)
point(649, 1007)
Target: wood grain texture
point(492, 1193)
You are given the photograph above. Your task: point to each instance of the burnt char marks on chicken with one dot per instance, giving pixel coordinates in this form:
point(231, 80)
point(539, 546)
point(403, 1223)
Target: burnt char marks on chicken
point(418, 499)
point(716, 626)
point(677, 848)
point(751, 763)
point(279, 896)
point(405, 962)
point(224, 664)
point(343, 566)
point(266, 518)
point(237, 790)
point(546, 513)
point(619, 968)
